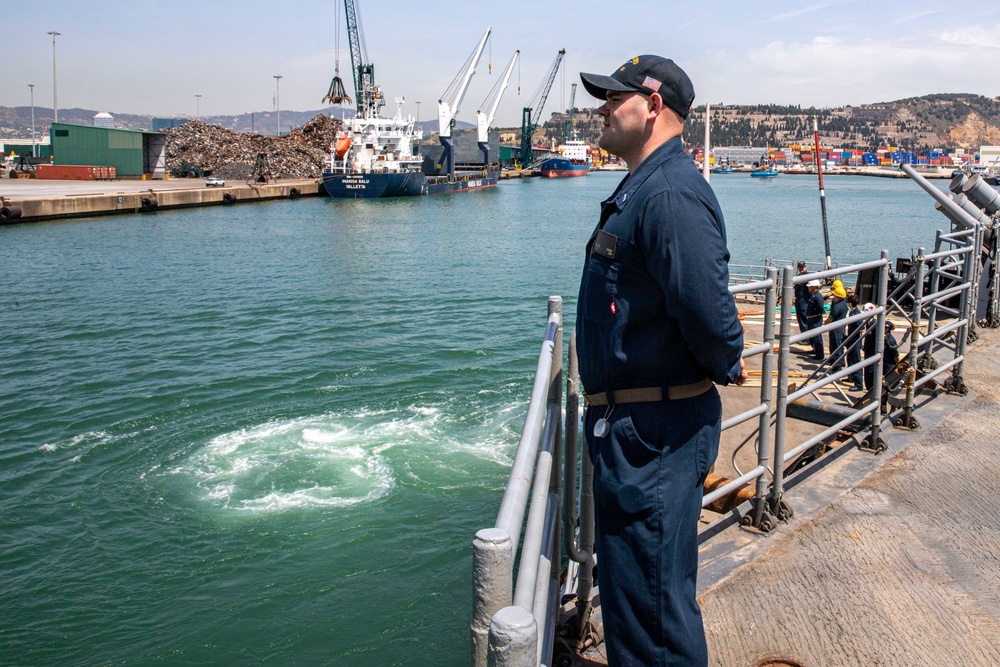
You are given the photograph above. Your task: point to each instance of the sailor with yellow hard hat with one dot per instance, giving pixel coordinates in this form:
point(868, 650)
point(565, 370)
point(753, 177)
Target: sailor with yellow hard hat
point(838, 311)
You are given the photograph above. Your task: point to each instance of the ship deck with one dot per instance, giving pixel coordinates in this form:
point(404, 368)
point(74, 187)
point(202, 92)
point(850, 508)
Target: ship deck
point(889, 559)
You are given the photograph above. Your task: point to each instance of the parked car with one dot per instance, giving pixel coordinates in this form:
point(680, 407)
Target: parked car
point(214, 182)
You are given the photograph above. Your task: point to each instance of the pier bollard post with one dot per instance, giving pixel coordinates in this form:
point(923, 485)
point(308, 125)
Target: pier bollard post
point(492, 585)
point(513, 639)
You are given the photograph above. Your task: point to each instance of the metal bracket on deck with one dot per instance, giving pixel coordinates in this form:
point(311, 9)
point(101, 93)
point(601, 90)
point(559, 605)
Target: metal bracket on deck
point(911, 424)
point(954, 386)
point(876, 447)
point(765, 523)
point(781, 510)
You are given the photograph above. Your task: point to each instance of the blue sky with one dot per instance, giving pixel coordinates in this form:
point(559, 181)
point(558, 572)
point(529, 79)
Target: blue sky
point(151, 57)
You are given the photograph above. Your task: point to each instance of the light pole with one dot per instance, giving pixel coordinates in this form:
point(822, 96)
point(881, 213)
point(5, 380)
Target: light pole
point(198, 106)
point(55, 98)
point(34, 152)
point(277, 99)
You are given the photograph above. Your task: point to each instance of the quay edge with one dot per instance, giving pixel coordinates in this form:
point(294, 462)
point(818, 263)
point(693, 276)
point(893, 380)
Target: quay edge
point(159, 196)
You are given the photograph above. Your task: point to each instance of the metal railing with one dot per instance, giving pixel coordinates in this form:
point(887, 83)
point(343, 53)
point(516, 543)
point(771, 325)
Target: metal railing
point(514, 621)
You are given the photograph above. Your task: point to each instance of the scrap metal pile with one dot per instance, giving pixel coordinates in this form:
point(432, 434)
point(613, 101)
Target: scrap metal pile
point(213, 150)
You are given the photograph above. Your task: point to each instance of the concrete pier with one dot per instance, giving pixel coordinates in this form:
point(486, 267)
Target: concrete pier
point(51, 200)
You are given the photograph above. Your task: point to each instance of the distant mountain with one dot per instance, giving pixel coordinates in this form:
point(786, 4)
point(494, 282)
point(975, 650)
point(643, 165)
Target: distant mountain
point(15, 122)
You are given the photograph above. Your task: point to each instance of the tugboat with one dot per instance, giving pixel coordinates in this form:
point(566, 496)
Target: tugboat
point(764, 169)
point(723, 168)
point(379, 157)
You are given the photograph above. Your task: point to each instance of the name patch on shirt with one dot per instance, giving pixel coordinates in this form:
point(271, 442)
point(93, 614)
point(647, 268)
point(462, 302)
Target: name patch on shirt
point(605, 244)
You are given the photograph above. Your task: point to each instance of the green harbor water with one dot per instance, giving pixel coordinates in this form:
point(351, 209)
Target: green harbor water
point(267, 433)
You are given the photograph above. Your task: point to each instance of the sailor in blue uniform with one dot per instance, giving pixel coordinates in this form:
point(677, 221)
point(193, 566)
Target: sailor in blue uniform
point(656, 328)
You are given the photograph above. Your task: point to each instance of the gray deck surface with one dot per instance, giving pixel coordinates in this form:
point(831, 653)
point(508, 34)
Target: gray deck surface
point(890, 559)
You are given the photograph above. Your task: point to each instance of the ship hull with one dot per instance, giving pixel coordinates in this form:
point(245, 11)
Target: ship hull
point(403, 184)
point(563, 168)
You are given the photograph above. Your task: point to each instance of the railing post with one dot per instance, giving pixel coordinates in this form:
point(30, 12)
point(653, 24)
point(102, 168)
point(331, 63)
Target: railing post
point(966, 311)
point(875, 437)
point(915, 317)
point(934, 286)
point(778, 506)
point(555, 397)
point(993, 307)
point(513, 639)
point(974, 265)
point(492, 585)
point(584, 553)
point(764, 423)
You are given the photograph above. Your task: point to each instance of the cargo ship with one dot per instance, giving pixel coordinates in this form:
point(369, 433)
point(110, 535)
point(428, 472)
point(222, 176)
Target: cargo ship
point(375, 157)
point(574, 160)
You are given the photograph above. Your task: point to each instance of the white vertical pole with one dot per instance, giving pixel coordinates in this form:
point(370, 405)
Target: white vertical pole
point(55, 97)
point(34, 151)
point(708, 129)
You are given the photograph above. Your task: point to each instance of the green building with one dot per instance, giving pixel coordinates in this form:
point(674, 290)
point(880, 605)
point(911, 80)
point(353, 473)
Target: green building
point(134, 153)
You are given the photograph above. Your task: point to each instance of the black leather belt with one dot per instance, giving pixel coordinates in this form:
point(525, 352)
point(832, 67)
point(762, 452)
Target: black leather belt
point(650, 394)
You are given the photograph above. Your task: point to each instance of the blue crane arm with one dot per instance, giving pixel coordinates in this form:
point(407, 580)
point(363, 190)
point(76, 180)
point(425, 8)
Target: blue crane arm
point(368, 94)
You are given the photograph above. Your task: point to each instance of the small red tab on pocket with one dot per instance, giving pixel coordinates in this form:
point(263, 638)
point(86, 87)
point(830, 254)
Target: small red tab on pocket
point(614, 308)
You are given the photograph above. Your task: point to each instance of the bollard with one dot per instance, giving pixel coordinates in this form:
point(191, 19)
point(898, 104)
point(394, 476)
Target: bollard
point(492, 583)
point(513, 639)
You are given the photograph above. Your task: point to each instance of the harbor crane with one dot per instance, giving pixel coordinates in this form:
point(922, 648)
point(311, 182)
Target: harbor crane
point(531, 114)
point(451, 101)
point(369, 95)
point(484, 120)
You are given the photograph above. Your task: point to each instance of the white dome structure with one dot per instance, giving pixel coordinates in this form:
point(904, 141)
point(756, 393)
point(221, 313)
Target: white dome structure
point(104, 119)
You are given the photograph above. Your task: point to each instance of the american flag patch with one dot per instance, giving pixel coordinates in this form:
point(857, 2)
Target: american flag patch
point(652, 84)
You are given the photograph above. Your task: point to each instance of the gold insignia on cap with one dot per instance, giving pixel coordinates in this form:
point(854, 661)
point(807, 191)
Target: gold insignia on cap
point(635, 60)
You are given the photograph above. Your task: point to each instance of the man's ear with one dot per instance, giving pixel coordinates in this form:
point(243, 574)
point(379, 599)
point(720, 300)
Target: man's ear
point(656, 105)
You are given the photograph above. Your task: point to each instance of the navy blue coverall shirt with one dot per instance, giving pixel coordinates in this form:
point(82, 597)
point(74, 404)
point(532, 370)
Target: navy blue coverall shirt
point(655, 311)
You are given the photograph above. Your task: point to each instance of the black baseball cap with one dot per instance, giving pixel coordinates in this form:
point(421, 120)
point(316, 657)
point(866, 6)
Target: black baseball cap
point(646, 74)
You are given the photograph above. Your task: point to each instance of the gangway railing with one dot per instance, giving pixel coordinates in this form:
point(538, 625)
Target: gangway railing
point(521, 621)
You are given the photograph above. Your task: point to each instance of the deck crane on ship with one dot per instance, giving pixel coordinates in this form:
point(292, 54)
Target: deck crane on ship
point(449, 105)
point(485, 120)
point(531, 114)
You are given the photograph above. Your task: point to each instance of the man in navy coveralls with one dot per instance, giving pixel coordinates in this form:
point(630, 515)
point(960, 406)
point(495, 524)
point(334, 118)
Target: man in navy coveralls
point(656, 327)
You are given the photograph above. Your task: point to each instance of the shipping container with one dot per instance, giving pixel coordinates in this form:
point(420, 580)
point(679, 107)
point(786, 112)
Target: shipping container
point(75, 172)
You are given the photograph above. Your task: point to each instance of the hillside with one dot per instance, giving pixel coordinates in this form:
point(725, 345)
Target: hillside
point(915, 124)
point(918, 124)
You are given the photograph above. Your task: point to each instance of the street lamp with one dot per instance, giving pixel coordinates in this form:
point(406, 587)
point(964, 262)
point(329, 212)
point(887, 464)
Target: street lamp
point(277, 99)
point(55, 98)
point(198, 107)
point(34, 152)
